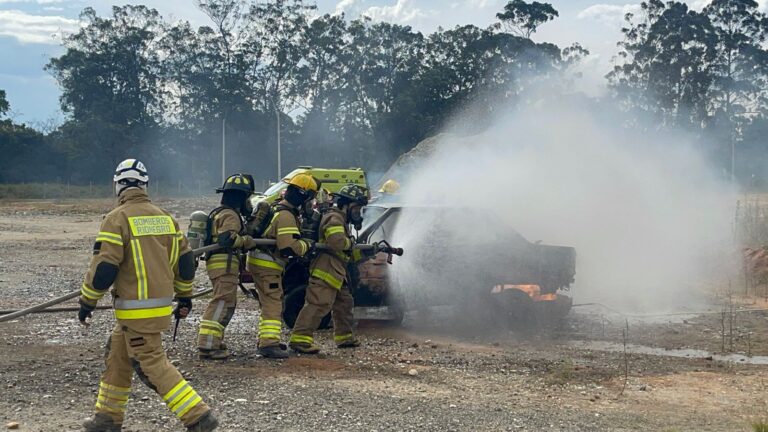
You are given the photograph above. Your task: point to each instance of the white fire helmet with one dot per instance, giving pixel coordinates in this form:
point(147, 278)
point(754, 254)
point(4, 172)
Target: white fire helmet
point(130, 173)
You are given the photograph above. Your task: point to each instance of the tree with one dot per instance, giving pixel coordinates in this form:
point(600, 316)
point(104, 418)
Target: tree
point(4, 106)
point(666, 70)
point(109, 82)
point(741, 62)
point(522, 18)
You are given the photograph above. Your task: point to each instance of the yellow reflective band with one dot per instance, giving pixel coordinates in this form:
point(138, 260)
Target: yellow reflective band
point(272, 322)
point(264, 263)
point(174, 253)
point(175, 389)
point(334, 230)
point(212, 323)
point(272, 326)
point(211, 332)
point(222, 258)
point(91, 293)
point(109, 237)
point(141, 271)
point(113, 388)
point(191, 404)
point(288, 230)
point(342, 338)
point(302, 338)
point(110, 408)
point(182, 286)
point(347, 243)
point(106, 394)
point(179, 400)
point(328, 278)
point(112, 400)
point(151, 225)
point(143, 313)
point(272, 222)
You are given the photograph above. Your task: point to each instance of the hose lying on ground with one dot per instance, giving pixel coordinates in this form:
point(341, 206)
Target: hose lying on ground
point(74, 294)
point(43, 307)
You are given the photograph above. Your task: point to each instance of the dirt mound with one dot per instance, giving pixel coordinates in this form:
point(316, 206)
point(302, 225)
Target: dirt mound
point(409, 162)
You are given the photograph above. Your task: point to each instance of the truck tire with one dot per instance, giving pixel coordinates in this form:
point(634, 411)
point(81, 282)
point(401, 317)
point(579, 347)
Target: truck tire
point(293, 301)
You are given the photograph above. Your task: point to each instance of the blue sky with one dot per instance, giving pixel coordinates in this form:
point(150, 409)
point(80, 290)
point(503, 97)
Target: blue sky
point(30, 31)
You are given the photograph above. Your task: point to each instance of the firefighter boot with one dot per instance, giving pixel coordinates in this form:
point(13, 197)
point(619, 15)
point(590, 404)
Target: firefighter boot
point(214, 354)
point(349, 343)
point(207, 423)
point(273, 351)
point(305, 347)
point(101, 423)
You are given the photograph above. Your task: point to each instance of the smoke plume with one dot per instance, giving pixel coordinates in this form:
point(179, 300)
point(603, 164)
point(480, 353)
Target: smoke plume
point(650, 220)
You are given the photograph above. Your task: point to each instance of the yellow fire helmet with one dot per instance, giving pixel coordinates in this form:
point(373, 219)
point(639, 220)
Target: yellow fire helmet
point(390, 187)
point(304, 182)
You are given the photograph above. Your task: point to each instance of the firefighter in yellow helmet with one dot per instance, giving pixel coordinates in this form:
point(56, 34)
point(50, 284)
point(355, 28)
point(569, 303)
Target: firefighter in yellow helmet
point(328, 290)
point(143, 255)
point(390, 187)
point(267, 265)
point(387, 192)
point(226, 228)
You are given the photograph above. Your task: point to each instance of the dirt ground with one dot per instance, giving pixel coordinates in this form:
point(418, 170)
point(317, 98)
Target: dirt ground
point(419, 377)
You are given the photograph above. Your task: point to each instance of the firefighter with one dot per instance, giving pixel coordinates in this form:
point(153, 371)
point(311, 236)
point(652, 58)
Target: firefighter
point(226, 228)
point(141, 252)
point(390, 187)
point(328, 290)
point(268, 265)
point(388, 191)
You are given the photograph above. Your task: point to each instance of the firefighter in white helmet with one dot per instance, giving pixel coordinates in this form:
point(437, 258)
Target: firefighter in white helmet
point(142, 254)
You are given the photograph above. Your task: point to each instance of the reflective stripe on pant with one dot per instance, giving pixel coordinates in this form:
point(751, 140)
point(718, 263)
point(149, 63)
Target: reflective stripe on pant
point(321, 299)
point(269, 285)
point(219, 311)
point(129, 352)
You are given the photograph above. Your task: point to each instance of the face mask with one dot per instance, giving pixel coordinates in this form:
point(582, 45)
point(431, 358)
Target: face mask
point(247, 208)
point(355, 216)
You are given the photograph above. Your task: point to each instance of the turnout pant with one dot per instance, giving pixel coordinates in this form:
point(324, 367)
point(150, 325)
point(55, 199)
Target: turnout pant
point(128, 351)
point(219, 311)
point(269, 285)
point(321, 299)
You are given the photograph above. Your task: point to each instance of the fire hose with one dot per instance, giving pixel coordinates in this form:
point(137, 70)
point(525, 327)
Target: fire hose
point(44, 307)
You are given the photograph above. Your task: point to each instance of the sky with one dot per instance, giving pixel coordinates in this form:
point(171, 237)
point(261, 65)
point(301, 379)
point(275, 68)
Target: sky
point(31, 32)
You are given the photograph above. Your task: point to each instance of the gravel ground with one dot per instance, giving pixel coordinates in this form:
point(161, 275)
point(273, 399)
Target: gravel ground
point(424, 376)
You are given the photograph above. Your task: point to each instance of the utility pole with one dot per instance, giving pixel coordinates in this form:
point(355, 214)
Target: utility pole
point(279, 155)
point(223, 149)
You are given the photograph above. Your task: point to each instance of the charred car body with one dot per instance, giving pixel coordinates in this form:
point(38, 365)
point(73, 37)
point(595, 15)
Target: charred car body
point(500, 270)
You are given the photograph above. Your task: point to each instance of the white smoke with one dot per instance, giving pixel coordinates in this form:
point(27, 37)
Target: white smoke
point(650, 220)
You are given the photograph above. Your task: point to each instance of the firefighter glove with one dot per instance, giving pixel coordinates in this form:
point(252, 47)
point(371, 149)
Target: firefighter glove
point(85, 312)
point(227, 239)
point(310, 243)
point(183, 307)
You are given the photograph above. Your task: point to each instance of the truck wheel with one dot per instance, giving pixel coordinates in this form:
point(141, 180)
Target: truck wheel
point(293, 301)
point(517, 308)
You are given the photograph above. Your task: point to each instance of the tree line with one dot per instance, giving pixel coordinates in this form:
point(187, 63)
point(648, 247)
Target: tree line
point(342, 92)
